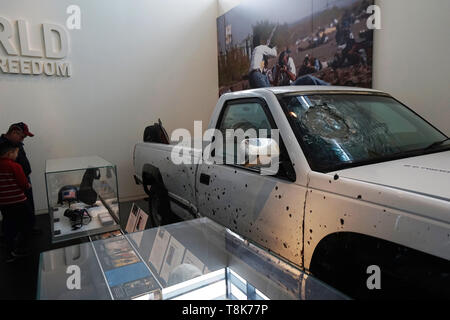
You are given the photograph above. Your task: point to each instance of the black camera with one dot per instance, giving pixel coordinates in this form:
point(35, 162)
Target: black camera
point(78, 217)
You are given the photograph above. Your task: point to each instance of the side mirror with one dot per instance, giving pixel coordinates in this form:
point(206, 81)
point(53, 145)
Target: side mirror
point(260, 152)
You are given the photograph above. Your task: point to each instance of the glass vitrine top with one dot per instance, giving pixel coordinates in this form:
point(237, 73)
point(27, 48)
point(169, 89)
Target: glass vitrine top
point(78, 163)
point(196, 259)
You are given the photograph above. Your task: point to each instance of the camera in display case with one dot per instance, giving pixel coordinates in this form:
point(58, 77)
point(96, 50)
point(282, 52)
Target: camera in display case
point(82, 195)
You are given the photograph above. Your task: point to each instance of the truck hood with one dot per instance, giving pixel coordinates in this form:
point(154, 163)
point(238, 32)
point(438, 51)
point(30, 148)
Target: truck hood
point(427, 175)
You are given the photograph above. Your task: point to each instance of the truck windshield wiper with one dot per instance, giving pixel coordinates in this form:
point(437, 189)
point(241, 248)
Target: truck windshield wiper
point(434, 145)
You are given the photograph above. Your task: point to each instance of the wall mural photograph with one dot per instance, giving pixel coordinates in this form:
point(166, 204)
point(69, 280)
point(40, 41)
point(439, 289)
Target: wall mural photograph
point(264, 43)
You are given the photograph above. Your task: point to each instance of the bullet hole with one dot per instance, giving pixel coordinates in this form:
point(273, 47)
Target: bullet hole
point(329, 181)
point(345, 214)
point(310, 231)
point(324, 197)
point(250, 231)
point(359, 197)
point(324, 226)
point(237, 210)
point(336, 177)
point(167, 158)
point(308, 243)
point(342, 222)
point(246, 185)
point(218, 197)
point(279, 197)
point(374, 226)
point(285, 245)
point(287, 208)
point(310, 238)
point(235, 171)
point(276, 187)
point(290, 215)
point(384, 210)
point(310, 211)
point(214, 213)
point(223, 193)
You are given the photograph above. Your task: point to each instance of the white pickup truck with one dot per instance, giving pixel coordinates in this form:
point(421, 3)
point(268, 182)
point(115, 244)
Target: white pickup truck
point(362, 181)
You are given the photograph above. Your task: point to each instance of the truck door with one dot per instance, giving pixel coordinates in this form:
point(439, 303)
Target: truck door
point(265, 209)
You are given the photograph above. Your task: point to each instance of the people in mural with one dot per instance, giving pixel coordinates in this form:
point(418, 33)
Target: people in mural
point(334, 48)
point(257, 74)
point(284, 72)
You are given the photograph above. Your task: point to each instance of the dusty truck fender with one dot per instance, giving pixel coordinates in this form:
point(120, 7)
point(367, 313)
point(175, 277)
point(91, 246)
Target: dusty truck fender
point(342, 260)
point(351, 225)
point(345, 205)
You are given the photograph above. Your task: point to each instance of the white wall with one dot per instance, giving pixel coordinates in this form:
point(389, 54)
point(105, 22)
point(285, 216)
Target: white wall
point(133, 62)
point(226, 5)
point(412, 56)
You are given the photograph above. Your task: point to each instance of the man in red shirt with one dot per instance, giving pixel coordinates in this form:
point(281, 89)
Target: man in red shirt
point(13, 202)
point(16, 134)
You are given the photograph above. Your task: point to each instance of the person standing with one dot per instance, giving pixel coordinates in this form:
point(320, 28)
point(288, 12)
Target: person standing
point(16, 134)
point(257, 79)
point(13, 202)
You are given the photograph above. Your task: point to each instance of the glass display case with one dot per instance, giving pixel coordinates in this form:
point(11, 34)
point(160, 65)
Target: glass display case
point(191, 260)
point(82, 195)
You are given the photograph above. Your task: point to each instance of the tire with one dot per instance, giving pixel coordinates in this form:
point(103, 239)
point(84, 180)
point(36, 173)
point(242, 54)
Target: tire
point(159, 208)
point(405, 273)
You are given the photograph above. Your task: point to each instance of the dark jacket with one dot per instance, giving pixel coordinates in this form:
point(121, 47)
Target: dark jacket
point(21, 158)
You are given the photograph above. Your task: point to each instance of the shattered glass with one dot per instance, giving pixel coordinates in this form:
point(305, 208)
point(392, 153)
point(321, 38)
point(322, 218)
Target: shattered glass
point(337, 129)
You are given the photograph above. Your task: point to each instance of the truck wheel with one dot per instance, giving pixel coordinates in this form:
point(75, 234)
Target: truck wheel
point(342, 260)
point(159, 208)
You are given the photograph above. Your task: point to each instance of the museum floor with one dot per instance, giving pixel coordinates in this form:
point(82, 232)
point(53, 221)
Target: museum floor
point(18, 280)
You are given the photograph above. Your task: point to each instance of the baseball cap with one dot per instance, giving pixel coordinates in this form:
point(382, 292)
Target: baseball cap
point(22, 127)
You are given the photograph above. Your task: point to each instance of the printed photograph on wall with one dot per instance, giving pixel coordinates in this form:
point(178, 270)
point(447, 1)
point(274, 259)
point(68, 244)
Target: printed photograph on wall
point(264, 43)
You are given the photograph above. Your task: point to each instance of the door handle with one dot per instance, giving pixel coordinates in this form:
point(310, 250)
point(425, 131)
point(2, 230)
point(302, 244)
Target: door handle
point(204, 179)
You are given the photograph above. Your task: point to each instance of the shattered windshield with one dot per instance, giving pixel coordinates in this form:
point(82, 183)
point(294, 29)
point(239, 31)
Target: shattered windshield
point(345, 130)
